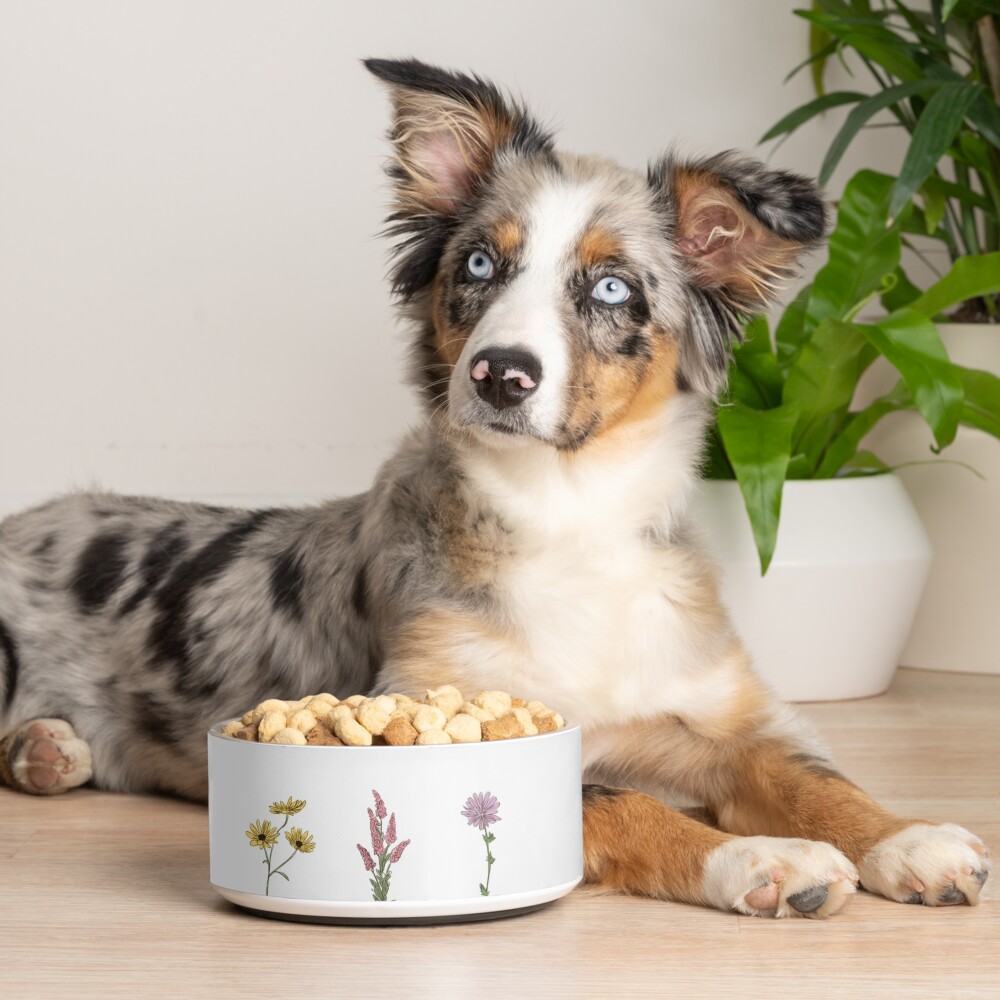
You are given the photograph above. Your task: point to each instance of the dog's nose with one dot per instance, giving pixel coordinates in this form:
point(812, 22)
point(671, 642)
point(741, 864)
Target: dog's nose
point(505, 376)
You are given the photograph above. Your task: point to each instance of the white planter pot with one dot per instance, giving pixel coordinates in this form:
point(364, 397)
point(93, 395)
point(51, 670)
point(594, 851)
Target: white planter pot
point(832, 616)
point(957, 626)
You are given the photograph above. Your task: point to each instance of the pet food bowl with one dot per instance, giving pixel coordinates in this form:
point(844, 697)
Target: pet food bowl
point(386, 834)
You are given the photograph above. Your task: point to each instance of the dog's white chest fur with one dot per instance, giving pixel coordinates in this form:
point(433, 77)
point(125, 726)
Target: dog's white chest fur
point(608, 631)
point(608, 618)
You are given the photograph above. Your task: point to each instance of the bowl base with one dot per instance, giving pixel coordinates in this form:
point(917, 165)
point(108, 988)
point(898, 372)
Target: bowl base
point(394, 913)
point(461, 918)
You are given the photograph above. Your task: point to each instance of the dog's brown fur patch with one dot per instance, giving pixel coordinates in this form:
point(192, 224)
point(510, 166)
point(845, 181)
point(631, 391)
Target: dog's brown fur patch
point(598, 245)
point(633, 843)
point(507, 235)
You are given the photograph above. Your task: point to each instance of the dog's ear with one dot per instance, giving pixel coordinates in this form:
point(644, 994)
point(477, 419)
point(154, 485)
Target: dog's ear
point(448, 130)
point(740, 227)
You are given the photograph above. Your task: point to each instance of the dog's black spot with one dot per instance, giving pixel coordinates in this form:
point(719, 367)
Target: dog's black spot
point(359, 592)
point(914, 899)
point(816, 765)
point(683, 385)
point(165, 548)
point(11, 665)
point(168, 635)
point(652, 280)
point(153, 719)
point(638, 308)
point(287, 581)
point(197, 688)
point(418, 255)
point(100, 570)
point(595, 793)
point(809, 900)
point(981, 875)
point(631, 346)
point(45, 546)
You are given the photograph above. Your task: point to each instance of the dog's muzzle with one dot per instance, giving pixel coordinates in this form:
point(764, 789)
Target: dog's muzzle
point(504, 376)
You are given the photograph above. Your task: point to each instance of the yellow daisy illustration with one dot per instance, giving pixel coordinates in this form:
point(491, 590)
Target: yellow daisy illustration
point(301, 840)
point(262, 834)
point(288, 808)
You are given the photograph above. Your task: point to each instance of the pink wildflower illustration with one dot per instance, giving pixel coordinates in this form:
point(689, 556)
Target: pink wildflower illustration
point(383, 855)
point(376, 832)
point(482, 809)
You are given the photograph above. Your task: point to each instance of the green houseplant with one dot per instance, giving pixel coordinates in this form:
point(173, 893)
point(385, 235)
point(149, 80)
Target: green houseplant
point(787, 412)
point(832, 618)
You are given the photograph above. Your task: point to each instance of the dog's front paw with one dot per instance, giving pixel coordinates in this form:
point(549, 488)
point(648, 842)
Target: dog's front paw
point(775, 877)
point(935, 865)
point(45, 757)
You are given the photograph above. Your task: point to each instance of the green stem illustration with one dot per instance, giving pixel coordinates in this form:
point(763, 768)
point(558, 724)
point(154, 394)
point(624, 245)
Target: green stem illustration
point(267, 860)
point(488, 839)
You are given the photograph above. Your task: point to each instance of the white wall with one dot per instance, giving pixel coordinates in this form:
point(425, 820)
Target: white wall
point(191, 288)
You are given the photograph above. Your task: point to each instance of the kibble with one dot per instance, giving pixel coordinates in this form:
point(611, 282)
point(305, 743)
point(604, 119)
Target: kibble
point(442, 716)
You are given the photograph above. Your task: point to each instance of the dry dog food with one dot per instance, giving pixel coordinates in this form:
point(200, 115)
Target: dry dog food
point(443, 715)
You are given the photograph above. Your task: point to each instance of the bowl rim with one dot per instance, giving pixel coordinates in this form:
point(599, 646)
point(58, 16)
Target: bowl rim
point(215, 731)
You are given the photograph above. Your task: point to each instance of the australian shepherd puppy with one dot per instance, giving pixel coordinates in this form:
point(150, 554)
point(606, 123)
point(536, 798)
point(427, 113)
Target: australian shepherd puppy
point(571, 325)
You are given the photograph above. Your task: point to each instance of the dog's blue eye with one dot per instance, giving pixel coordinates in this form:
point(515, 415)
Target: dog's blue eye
point(480, 265)
point(612, 290)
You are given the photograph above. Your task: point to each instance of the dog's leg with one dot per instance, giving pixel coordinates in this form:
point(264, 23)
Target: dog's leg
point(782, 792)
point(635, 844)
point(755, 765)
point(44, 757)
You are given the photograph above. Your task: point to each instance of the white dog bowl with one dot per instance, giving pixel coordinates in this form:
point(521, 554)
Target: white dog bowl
point(318, 833)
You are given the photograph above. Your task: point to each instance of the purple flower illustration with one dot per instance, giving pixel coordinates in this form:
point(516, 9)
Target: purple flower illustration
point(481, 809)
point(383, 855)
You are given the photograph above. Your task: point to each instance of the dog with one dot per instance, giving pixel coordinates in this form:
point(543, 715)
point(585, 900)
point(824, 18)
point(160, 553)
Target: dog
point(572, 322)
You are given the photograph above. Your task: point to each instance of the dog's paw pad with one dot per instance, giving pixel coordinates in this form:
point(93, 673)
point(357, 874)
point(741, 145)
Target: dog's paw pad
point(941, 865)
point(45, 757)
point(775, 877)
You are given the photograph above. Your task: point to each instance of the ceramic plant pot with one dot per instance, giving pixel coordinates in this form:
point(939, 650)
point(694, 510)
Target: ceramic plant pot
point(831, 617)
point(389, 834)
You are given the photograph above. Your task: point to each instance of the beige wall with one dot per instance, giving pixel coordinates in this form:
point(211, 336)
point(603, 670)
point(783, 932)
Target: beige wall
point(191, 288)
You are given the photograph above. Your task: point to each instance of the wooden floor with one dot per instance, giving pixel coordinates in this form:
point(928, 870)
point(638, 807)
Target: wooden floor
point(108, 896)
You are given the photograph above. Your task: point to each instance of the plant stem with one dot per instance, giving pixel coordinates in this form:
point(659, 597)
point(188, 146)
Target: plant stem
point(991, 52)
point(970, 234)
